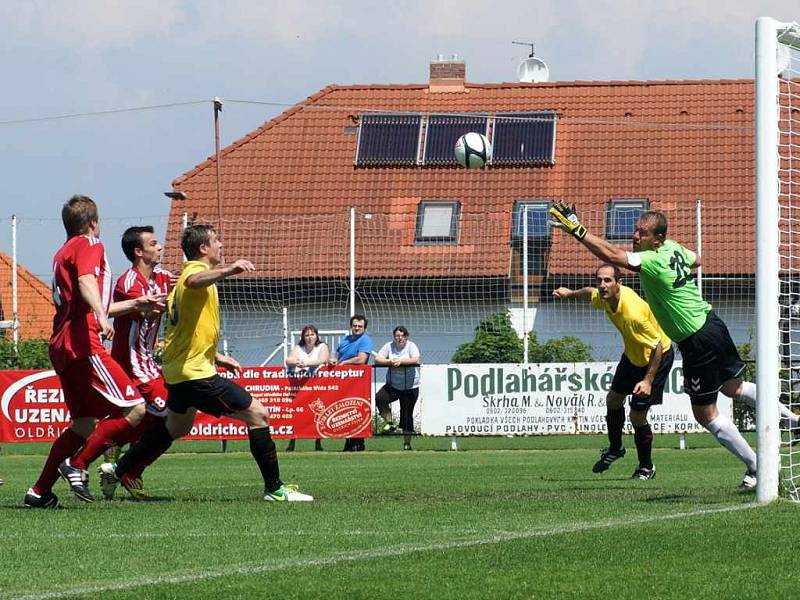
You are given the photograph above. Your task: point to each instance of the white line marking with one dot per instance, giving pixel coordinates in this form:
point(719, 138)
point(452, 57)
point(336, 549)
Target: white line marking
point(371, 554)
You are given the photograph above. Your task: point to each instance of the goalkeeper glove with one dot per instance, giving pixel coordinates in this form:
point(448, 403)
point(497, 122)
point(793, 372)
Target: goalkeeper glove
point(564, 217)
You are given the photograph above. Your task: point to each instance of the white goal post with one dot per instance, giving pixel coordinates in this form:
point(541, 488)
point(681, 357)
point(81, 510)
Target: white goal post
point(777, 74)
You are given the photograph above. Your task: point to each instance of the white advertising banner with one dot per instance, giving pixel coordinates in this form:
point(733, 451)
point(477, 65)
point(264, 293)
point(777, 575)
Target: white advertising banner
point(539, 399)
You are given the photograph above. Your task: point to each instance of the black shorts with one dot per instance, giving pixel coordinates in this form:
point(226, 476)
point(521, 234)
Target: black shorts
point(408, 399)
point(628, 375)
point(710, 358)
point(213, 395)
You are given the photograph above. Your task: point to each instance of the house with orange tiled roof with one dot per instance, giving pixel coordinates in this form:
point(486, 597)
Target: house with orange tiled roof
point(668, 143)
point(34, 302)
point(613, 148)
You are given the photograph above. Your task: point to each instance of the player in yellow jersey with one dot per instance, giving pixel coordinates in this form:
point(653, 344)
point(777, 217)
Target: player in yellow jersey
point(190, 361)
point(642, 370)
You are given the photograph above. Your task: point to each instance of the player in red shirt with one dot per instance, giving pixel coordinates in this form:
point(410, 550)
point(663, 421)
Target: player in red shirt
point(133, 348)
point(94, 385)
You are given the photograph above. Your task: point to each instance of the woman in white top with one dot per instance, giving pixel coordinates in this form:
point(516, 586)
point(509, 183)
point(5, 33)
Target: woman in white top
point(402, 382)
point(305, 358)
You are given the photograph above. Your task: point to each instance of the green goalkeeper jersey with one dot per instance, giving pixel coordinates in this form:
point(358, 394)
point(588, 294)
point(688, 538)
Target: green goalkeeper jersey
point(669, 284)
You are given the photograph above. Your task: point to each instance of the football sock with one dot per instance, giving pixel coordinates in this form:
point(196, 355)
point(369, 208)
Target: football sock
point(67, 444)
point(615, 419)
point(263, 450)
point(726, 433)
point(748, 396)
point(153, 443)
point(107, 433)
point(643, 437)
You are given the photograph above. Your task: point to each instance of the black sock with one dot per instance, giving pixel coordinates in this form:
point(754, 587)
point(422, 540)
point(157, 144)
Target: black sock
point(263, 450)
point(643, 436)
point(155, 439)
point(615, 419)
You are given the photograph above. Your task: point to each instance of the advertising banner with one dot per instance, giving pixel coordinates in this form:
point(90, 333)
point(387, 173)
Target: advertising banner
point(335, 403)
point(540, 399)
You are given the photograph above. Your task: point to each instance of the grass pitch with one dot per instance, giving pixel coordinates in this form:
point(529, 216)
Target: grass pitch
point(508, 518)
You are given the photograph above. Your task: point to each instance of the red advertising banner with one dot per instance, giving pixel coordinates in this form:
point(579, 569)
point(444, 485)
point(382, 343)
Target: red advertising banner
point(334, 403)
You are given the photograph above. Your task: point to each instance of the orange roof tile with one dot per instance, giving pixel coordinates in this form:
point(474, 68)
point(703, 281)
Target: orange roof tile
point(669, 141)
point(34, 302)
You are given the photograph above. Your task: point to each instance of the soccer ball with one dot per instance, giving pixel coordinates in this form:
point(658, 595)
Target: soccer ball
point(473, 150)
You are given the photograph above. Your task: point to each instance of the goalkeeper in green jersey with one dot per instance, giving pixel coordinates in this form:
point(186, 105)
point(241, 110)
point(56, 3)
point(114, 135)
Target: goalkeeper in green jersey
point(711, 362)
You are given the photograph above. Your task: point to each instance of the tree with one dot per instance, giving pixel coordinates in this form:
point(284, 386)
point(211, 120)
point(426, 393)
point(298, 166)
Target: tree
point(30, 354)
point(566, 349)
point(497, 342)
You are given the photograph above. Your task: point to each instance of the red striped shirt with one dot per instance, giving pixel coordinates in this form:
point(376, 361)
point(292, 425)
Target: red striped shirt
point(76, 330)
point(134, 335)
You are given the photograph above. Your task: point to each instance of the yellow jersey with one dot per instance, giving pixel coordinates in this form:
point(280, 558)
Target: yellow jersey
point(637, 324)
point(192, 329)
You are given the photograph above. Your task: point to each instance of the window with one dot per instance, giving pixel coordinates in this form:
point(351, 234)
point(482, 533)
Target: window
point(621, 217)
point(524, 139)
point(442, 133)
point(539, 238)
point(437, 222)
point(388, 140)
point(538, 216)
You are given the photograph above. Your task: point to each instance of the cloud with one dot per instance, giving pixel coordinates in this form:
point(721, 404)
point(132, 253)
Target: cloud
point(91, 24)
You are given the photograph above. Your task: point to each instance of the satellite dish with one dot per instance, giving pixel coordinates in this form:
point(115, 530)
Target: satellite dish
point(533, 70)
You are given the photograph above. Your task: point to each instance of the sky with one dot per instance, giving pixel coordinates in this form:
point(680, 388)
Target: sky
point(75, 57)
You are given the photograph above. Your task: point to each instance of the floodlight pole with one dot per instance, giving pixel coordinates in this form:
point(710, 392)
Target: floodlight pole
point(217, 110)
point(352, 261)
point(698, 210)
point(14, 285)
point(525, 349)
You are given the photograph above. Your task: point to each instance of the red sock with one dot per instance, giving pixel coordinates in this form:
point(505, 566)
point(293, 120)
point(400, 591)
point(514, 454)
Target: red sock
point(133, 434)
point(107, 433)
point(67, 444)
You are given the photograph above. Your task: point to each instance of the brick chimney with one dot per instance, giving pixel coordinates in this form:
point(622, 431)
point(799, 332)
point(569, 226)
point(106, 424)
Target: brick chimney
point(447, 75)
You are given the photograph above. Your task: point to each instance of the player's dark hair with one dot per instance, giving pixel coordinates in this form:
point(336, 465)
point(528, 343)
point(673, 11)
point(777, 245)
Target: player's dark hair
point(359, 318)
point(617, 271)
point(132, 239)
point(401, 329)
point(195, 236)
point(78, 214)
point(306, 329)
point(658, 220)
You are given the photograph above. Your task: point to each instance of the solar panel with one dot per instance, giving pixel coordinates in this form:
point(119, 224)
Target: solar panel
point(524, 139)
point(388, 140)
point(442, 133)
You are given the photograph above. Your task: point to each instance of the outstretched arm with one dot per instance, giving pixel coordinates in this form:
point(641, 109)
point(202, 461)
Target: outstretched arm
point(565, 292)
point(212, 276)
point(564, 217)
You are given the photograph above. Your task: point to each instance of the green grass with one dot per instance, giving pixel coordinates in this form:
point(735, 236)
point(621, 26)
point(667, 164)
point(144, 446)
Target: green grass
point(507, 518)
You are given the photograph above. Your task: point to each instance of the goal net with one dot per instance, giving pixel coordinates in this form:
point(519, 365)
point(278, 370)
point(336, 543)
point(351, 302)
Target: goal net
point(778, 263)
